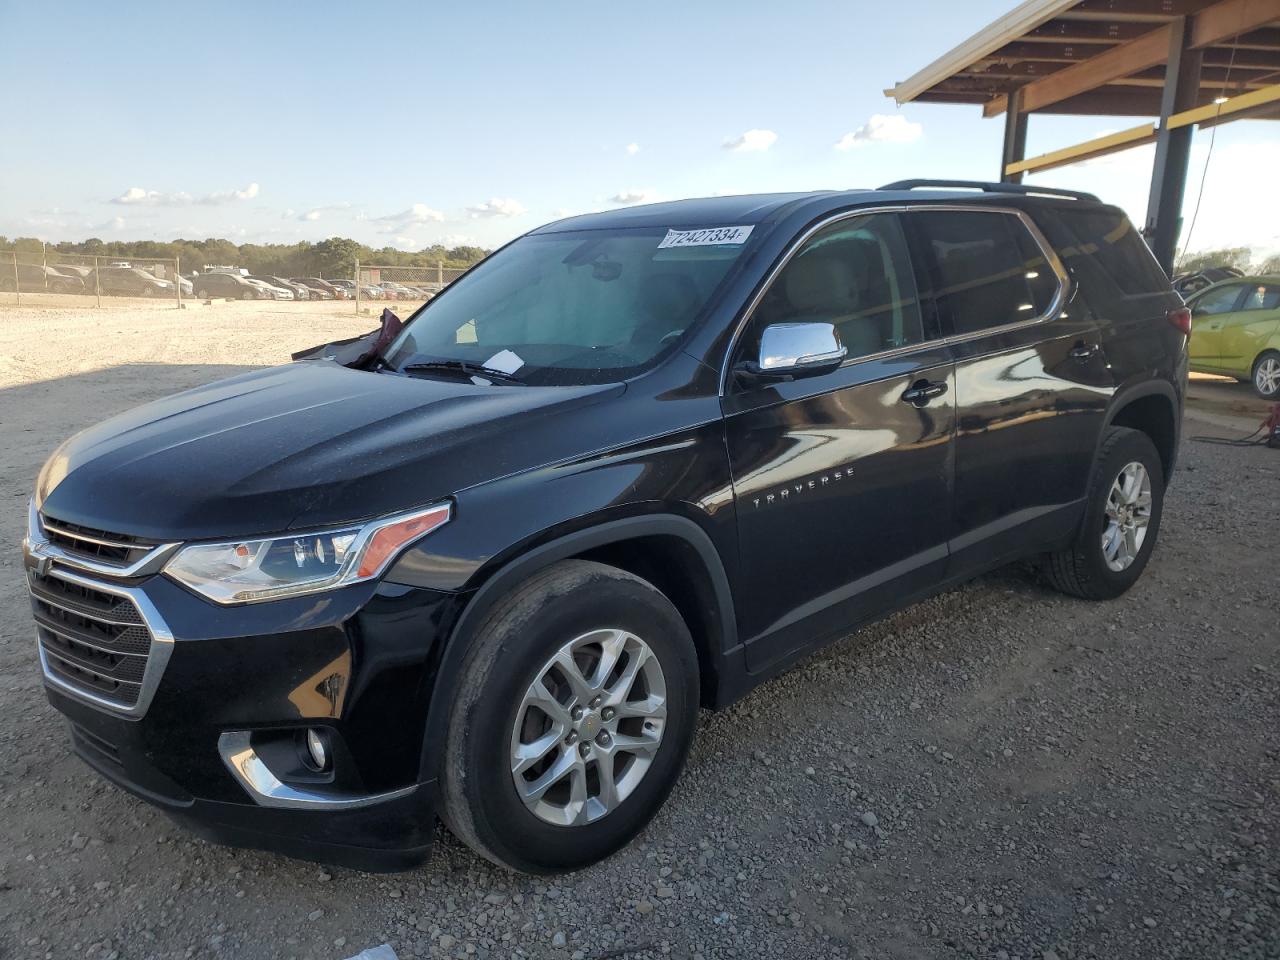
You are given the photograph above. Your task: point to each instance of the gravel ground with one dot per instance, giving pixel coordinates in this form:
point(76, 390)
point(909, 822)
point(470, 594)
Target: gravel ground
point(998, 772)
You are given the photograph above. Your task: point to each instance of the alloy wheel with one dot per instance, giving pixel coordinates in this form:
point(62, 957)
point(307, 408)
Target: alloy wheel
point(1267, 377)
point(1126, 516)
point(588, 727)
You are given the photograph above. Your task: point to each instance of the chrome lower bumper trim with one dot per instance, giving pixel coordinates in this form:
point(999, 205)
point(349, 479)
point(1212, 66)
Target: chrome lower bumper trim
point(267, 790)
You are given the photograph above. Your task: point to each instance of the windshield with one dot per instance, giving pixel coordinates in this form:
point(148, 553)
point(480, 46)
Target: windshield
point(579, 307)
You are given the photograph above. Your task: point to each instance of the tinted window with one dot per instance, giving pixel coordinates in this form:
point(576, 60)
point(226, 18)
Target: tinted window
point(988, 269)
point(580, 306)
point(1106, 241)
point(855, 274)
point(1218, 300)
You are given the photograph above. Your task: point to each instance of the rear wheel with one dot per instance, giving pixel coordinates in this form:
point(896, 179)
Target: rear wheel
point(147, 291)
point(572, 719)
point(1266, 375)
point(1121, 520)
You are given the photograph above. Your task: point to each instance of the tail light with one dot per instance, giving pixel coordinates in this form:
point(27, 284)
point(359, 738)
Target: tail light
point(1181, 318)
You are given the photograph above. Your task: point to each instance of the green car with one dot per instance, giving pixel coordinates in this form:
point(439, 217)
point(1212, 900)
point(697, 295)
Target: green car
point(1235, 330)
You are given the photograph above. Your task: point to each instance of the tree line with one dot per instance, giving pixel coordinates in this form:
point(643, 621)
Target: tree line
point(334, 257)
point(1244, 259)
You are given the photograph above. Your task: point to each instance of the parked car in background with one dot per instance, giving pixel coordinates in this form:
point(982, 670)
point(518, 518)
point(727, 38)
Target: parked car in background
point(1236, 332)
point(397, 290)
point(232, 286)
point(1187, 284)
point(300, 292)
point(327, 290)
point(37, 278)
point(271, 290)
point(73, 270)
point(129, 282)
point(348, 287)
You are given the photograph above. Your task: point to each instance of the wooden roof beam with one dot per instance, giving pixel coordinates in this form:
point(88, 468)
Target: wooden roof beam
point(1148, 50)
point(1230, 17)
point(1209, 26)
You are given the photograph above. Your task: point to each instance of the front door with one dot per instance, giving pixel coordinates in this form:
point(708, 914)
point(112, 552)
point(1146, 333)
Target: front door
point(1210, 312)
point(842, 480)
point(1246, 333)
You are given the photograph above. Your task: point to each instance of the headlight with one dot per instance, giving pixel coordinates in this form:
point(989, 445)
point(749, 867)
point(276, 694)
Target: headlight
point(246, 571)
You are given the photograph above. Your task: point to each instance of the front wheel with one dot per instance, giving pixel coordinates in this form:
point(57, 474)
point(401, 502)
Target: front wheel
point(248, 295)
point(1266, 375)
point(1121, 520)
point(572, 718)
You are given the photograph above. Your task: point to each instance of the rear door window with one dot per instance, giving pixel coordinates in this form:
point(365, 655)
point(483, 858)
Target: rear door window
point(1263, 296)
point(987, 269)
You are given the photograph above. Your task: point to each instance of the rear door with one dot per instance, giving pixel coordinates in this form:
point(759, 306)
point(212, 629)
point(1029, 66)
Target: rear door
point(1210, 313)
point(842, 480)
point(1031, 381)
point(1246, 333)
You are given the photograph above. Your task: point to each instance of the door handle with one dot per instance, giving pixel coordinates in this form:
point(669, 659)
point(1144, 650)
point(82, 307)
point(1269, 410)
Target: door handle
point(1084, 352)
point(922, 391)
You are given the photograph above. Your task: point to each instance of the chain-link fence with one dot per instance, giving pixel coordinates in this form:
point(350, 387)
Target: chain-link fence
point(53, 278)
point(375, 282)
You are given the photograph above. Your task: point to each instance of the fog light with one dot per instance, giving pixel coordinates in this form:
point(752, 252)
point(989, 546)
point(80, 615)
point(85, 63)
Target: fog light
point(317, 749)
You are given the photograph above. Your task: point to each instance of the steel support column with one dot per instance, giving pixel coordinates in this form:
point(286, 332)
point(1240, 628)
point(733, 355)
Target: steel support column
point(1015, 137)
point(1173, 146)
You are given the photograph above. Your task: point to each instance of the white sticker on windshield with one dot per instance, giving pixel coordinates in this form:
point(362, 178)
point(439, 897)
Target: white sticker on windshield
point(504, 360)
point(709, 237)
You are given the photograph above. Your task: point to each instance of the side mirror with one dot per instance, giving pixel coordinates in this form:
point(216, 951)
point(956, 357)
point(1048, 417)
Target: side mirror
point(792, 350)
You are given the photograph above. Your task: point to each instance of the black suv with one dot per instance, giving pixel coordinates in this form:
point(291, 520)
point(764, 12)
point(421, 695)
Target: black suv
point(489, 566)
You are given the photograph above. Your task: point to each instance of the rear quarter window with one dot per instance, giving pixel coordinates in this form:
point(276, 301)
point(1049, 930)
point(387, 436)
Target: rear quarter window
point(1106, 254)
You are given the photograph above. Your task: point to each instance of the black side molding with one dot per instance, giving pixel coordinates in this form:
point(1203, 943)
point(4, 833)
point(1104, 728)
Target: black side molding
point(990, 187)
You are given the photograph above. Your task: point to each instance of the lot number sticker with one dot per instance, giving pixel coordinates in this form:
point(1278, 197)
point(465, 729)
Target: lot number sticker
point(710, 237)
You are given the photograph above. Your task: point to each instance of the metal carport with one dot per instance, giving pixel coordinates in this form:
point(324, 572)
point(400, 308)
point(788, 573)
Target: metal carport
point(1187, 63)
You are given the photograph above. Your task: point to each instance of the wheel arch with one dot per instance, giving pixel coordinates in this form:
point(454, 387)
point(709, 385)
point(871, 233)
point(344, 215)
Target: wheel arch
point(1153, 409)
point(669, 551)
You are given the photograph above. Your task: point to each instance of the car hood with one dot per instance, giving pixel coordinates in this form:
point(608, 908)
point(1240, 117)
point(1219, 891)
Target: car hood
point(303, 445)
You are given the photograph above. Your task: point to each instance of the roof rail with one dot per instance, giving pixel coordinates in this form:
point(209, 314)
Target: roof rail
point(988, 187)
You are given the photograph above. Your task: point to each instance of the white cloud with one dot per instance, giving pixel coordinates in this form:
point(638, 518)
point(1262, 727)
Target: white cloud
point(458, 240)
point(230, 196)
point(407, 243)
point(152, 198)
point(416, 215)
point(753, 141)
point(137, 196)
point(894, 128)
point(632, 149)
point(496, 207)
point(628, 197)
point(311, 215)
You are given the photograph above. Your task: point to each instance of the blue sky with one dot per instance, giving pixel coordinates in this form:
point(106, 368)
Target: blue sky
point(412, 123)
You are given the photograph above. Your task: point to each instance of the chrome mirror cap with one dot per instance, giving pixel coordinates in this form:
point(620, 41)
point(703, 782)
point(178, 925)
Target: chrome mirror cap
point(797, 349)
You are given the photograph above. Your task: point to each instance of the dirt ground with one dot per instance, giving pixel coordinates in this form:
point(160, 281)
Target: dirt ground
point(998, 772)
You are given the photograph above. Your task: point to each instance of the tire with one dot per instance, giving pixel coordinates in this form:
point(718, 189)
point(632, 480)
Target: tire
point(147, 292)
point(202, 294)
point(1266, 375)
point(1085, 569)
point(573, 602)
point(248, 295)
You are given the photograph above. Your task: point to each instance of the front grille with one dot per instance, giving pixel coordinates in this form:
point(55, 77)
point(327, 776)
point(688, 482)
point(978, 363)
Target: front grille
point(117, 549)
point(92, 640)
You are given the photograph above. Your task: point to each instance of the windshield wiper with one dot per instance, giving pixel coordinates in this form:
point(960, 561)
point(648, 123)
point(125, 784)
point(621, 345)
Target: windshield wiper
point(464, 367)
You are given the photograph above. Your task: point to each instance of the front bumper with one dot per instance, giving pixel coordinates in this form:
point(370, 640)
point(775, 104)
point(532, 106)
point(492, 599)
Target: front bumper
point(216, 744)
